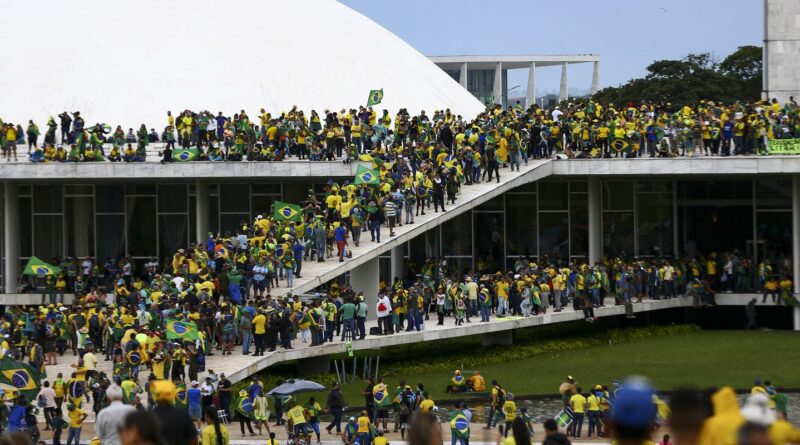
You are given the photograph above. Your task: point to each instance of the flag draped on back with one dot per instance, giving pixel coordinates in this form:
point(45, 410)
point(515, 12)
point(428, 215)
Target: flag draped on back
point(186, 154)
point(375, 97)
point(367, 176)
point(18, 376)
point(181, 330)
point(287, 212)
point(36, 266)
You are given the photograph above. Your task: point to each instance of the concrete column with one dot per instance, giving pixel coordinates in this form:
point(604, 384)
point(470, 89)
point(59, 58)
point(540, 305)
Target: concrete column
point(596, 78)
point(202, 208)
point(595, 221)
point(563, 93)
point(11, 235)
point(795, 244)
point(398, 261)
point(462, 76)
point(365, 278)
point(530, 96)
point(497, 90)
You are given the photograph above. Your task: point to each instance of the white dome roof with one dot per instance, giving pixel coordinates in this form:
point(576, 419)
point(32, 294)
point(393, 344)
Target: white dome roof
point(126, 62)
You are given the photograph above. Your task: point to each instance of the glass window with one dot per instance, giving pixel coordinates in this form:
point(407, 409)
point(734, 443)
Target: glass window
point(141, 225)
point(110, 198)
point(715, 228)
point(654, 216)
point(716, 189)
point(553, 195)
point(79, 226)
point(235, 198)
point(553, 235)
point(262, 205)
point(457, 235)
point(25, 228)
point(47, 199)
point(172, 234)
point(617, 234)
point(267, 189)
point(140, 189)
point(579, 224)
point(424, 246)
point(578, 186)
point(495, 203)
point(48, 236)
point(522, 237)
point(78, 190)
point(774, 229)
point(774, 194)
point(213, 216)
point(460, 265)
point(618, 195)
point(110, 237)
point(489, 237)
point(654, 186)
point(172, 198)
point(231, 222)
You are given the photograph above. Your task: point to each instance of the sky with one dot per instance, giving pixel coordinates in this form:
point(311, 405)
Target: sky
point(627, 34)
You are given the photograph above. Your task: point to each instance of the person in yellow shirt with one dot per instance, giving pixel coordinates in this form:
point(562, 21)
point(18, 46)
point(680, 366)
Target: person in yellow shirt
point(76, 418)
point(215, 433)
point(363, 428)
point(509, 410)
point(297, 416)
point(259, 323)
point(380, 440)
point(578, 404)
point(593, 405)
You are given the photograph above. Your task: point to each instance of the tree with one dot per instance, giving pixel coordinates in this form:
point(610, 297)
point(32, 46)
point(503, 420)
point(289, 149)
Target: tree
point(691, 79)
point(746, 66)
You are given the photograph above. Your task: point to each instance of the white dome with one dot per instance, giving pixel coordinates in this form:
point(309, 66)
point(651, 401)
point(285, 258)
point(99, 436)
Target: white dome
point(127, 62)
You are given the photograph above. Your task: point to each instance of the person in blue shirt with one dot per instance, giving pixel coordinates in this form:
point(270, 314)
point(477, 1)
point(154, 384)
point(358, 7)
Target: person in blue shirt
point(298, 250)
point(193, 397)
point(727, 135)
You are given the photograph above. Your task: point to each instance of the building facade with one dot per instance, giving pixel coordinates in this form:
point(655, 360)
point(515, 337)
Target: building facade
point(781, 49)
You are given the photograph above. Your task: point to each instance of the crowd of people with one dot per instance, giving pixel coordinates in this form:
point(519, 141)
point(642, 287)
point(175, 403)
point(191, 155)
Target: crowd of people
point(580, 129)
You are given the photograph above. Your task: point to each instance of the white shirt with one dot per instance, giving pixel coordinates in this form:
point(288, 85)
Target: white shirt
point(206, 389)
point(384, 306)
point(87, 266)
point(109, 419)
point(179, 283)
point(556, 114)
point(49, 397)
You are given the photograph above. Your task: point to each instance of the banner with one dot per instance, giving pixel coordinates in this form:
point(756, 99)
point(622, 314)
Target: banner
point(784, 146)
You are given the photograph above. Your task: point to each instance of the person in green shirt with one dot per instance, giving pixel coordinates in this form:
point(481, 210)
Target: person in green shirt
point(348, 311)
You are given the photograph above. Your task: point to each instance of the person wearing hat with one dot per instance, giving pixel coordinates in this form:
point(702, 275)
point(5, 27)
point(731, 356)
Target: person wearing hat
point(633, 415)
point(174, 425)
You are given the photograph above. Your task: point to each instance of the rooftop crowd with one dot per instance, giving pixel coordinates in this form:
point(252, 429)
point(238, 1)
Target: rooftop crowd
point(579, 129)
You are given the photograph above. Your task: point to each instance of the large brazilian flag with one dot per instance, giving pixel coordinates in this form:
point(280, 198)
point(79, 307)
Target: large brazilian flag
point(459, 426)
point(186, 154)
point(35, 266)
point(367, 176)
point(20, 377)
point(181, 330)
point(287, 212)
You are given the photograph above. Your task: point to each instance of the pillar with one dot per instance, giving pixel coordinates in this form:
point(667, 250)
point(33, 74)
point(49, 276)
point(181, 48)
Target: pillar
point(595, 78)
point(595, 221)
point(462, 76)
point(503, 338)
point(11, 235)
point(530, 95)
point(365, 278)
point(202, 214)
point(563, 93)
point(398, 261)
point(795, 245)
point(497, 90)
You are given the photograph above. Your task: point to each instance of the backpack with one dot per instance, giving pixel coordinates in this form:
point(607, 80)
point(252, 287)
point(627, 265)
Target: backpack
point(501, 395)
point(229, 328)
point(94, 322)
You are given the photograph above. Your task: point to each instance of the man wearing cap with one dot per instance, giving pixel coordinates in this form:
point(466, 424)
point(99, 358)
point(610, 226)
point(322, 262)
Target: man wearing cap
point(633, 415)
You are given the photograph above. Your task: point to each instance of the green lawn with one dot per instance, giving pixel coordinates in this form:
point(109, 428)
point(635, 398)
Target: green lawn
point(703, 359)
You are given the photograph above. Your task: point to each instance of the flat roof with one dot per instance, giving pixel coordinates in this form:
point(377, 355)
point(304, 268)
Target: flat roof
point(510, 62)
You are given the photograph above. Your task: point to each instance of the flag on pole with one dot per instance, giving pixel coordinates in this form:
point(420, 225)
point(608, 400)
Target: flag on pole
point(375, 97)
point(35, 266)
point(181, 330)
point(20, 377)
point(186, 154)
point(367, 176)
point(287, 212)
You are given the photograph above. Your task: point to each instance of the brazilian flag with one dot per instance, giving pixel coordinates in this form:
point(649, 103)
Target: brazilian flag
point(367, 176)
point(181, 397)
point(19, 377)
point(449, 161)
point(375, 97)
point(181, 330)
point(287, 212)
point(185, 154)
point(619, 145)
point(134, 358)
point(459, 426)
point(38, 267)
point(381, 395)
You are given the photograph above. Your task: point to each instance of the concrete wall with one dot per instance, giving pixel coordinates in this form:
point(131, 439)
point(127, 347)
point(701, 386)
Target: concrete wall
point(782, 49)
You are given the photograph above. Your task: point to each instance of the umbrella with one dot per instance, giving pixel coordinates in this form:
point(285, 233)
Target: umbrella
point(295, 386)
